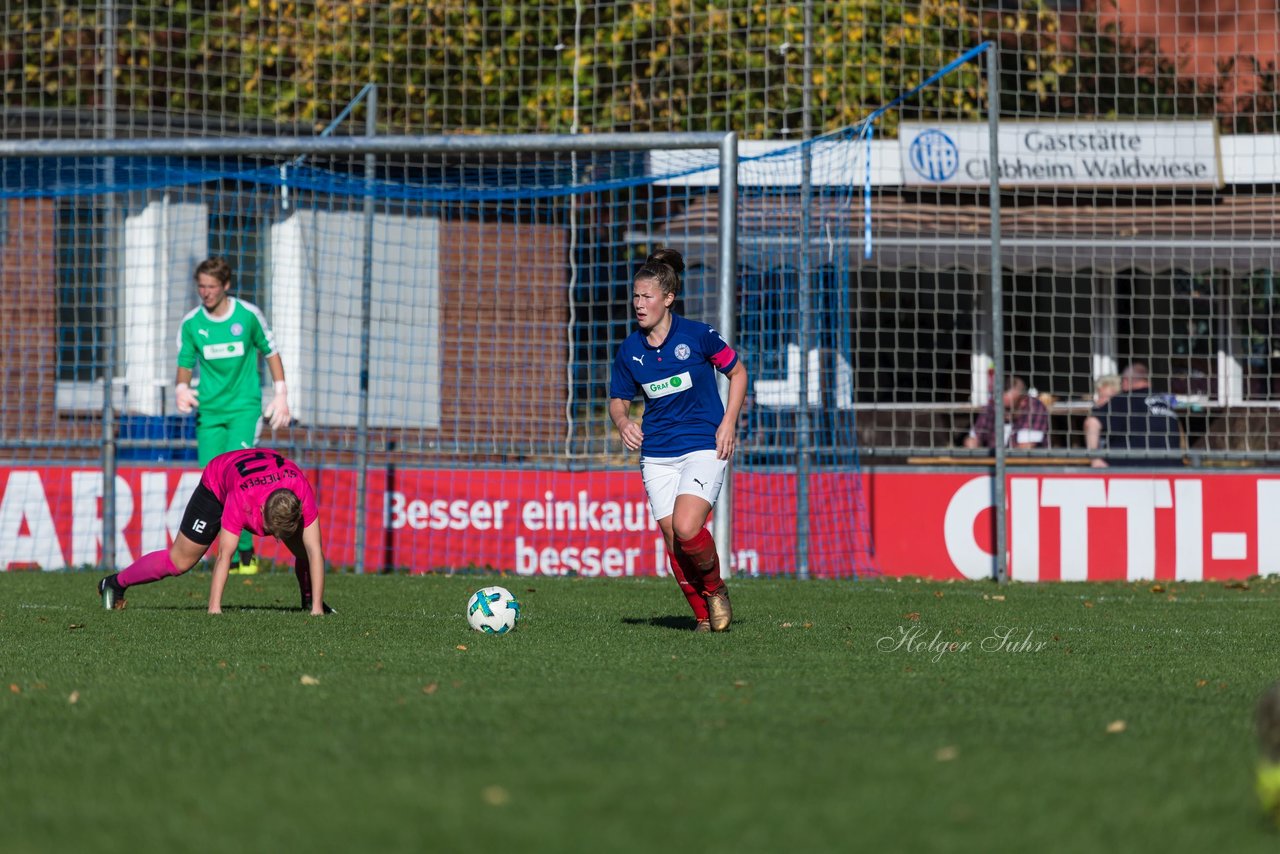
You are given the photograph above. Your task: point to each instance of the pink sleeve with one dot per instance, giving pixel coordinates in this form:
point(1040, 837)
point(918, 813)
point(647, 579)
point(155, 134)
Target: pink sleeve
point(310, 510)
point(212, 477)
point(232, 517)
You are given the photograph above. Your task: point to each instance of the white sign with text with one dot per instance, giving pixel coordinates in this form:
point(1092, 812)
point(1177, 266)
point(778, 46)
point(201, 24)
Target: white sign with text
point(1063, 154)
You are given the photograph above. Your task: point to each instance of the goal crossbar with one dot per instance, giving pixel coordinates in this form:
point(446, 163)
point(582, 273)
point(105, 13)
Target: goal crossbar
point(352, 145)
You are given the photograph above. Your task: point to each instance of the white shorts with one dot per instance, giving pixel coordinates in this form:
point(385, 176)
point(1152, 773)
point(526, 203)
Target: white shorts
point(695, 473)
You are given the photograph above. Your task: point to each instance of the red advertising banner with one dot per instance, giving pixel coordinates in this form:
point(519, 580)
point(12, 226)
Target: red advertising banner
point(1080, 526)
point(1071, 527)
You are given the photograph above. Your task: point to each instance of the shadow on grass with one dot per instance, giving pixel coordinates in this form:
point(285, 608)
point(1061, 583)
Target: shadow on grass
point(225, 608)
point(679, 624)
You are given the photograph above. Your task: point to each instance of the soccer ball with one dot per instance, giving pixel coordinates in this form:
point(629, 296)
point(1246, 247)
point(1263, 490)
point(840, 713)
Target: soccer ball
point(493, 610)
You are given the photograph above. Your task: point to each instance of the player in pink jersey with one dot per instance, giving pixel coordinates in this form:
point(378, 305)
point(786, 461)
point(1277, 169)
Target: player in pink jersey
point(246, 490)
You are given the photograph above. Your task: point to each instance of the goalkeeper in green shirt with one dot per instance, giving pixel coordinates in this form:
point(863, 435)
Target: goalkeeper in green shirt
point(223, 336)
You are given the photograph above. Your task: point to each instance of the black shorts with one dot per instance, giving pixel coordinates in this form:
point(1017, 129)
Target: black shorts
point(202, 519)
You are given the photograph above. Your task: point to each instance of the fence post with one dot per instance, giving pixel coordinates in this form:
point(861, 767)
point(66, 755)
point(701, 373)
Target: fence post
point(111, 286)
point(366, 309)
point(722, 522)
point(997, 317)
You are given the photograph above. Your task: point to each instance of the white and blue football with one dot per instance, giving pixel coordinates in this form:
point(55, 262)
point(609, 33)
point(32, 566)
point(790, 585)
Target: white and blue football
point(493, 610)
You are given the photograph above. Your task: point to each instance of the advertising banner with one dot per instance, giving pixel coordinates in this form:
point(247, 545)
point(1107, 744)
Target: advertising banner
point(1083, 526)
point(1086, 153)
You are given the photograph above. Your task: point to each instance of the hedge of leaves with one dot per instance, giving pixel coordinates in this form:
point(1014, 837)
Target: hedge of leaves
point(446, 66)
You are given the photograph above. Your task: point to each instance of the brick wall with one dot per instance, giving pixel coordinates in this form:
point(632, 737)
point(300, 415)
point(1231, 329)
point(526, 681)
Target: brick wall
point(503, 309)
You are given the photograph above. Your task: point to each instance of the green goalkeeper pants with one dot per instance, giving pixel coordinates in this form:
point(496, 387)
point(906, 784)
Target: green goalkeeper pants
point(224, 433)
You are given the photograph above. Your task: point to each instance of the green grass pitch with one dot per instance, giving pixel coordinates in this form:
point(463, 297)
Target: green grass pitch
point(1059, 717)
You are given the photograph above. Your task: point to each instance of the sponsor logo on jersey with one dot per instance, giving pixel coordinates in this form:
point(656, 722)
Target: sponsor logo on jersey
point(639, 359)
point(671, 385)
point(231, 350)
point(237, 330)
point(682, 351)
point(204, 332)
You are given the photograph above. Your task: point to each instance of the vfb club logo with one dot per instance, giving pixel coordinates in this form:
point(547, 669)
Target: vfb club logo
point(934, 155)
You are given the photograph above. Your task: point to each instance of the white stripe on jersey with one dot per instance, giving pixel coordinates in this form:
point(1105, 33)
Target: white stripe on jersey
point(266, 330)
point(185, 318)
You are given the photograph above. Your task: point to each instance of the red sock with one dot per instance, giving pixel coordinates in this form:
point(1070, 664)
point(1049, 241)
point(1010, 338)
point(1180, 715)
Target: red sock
point(703, 564)
point(696, 602)
point(148, 568)
point(690, 568)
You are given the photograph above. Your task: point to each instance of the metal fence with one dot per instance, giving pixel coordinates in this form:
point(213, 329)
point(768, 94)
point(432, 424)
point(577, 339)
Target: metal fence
point(885, 358)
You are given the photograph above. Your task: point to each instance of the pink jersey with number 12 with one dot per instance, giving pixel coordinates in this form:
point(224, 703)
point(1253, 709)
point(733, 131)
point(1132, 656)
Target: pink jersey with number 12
point(243, 479)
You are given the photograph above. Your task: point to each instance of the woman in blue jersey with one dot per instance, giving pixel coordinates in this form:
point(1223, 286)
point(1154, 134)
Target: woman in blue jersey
point(688, 436)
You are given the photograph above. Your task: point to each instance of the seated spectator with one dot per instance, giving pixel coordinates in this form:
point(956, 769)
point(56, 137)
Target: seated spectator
point(1027, 427)
point(1106, 387)
point(1134, 419)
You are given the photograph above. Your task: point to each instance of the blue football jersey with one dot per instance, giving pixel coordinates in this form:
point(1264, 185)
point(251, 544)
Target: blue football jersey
point(682, 408)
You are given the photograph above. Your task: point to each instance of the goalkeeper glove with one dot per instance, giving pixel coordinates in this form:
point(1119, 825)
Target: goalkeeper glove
point(277, 413)
point(186, 398)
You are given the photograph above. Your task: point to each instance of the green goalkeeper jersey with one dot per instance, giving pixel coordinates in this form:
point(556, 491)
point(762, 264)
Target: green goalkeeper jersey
point(226, 349)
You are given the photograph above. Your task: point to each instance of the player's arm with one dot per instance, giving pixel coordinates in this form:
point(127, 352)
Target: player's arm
point(622, 388)
point(227, 543)
point(727, 432)
point(183, 394)
point(620, 415)
point(276, 366)
point(308, 553)
point(188, 355)
point(278, 410)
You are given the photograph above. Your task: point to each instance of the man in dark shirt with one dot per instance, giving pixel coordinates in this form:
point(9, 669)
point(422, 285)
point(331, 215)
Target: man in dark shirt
point(1135, 419)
